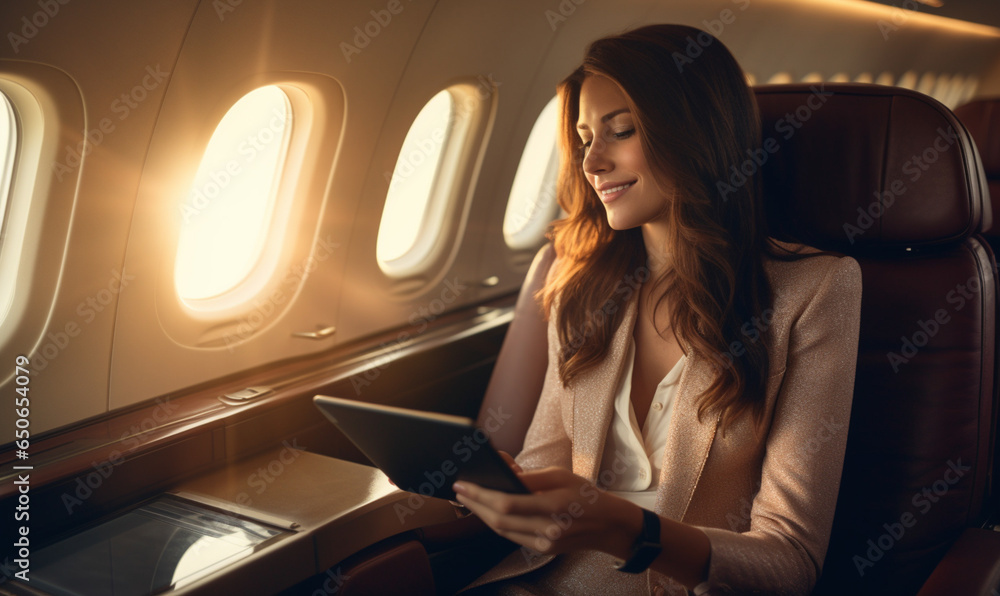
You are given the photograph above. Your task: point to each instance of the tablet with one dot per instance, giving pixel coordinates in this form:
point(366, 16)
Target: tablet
point(421, 452)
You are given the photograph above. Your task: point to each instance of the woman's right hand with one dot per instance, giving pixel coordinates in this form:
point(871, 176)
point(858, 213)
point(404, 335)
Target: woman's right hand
point(510, 462)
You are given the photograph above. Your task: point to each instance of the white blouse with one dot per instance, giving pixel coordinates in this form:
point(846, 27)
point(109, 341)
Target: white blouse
point(630, 465)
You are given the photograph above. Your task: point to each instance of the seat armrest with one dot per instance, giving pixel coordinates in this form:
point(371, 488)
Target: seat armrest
point(448, 534)
point(971, 566)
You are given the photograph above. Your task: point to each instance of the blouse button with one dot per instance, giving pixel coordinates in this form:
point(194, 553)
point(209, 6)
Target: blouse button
point(642, 474)
point(657, 406)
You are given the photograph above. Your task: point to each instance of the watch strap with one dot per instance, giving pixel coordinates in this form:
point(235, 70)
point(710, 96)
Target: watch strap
point(647, 546)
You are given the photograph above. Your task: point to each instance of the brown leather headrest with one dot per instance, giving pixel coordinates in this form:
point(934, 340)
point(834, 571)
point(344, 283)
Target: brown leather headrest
point(850, 166)
point(982, 118)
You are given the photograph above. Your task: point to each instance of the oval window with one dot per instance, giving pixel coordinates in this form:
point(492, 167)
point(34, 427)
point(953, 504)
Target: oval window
point(228, 216)
point(414, 205)
point(532, 202)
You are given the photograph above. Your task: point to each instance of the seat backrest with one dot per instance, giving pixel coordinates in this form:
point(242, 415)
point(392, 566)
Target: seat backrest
point(982, 118)
point(516, 382)
point(891, 178)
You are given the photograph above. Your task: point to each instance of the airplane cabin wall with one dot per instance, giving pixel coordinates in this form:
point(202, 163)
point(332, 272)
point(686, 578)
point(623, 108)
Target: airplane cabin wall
point(125, 221)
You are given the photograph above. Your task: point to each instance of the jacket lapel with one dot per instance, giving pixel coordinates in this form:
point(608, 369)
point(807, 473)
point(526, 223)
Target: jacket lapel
point(594, 397)
point(688, 441)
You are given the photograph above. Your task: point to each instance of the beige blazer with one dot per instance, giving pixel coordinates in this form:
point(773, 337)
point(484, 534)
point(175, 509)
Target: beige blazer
point(766, 501)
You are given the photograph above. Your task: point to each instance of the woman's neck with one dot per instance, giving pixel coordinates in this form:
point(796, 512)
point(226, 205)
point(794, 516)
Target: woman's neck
point(654, 237)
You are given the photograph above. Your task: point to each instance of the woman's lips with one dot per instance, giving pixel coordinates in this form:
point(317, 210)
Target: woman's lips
point(610, 194)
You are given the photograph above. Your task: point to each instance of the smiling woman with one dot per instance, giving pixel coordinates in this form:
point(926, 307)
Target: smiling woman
point(648, 368)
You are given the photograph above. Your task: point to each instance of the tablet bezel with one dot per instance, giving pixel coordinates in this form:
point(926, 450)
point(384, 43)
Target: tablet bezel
point(408, 446)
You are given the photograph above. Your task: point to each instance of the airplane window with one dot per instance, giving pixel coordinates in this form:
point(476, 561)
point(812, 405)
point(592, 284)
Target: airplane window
point(908, 80)
point(780, 78)
point(840, 77)
point(865, 77)
point(413, 210)
point(8, 147)
point(968, 90)
point(886, 78)
point(532, 203)
point(813, 77)
point(232, 205)
point(926, 84)
point(8, 150)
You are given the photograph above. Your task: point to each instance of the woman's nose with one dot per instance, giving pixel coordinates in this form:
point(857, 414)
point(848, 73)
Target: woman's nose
point(595, 157)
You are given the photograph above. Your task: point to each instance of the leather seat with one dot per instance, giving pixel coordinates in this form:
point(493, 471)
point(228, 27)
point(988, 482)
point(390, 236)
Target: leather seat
point(982, 118)
point(891, 177)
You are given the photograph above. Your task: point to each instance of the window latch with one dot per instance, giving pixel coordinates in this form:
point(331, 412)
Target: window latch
point(321, 333)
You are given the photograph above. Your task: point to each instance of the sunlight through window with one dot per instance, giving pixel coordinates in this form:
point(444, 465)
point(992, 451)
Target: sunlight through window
point(411, 205)
point(8, 150)
point(8, 147)
point(532, 202)
point(227, 214)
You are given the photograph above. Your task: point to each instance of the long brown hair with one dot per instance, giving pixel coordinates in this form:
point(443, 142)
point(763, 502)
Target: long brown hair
point(696, 118)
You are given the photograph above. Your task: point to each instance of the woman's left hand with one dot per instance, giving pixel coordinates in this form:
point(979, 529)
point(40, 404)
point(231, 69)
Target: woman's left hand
point(563, 513)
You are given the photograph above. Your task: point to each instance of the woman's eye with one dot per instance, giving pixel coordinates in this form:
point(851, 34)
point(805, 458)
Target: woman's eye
point(624, 134)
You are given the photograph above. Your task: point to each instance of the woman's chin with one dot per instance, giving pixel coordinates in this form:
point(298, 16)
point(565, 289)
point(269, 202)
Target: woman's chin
point(620, 224)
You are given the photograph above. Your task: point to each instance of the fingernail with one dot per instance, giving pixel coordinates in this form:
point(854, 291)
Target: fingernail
point(459, 488)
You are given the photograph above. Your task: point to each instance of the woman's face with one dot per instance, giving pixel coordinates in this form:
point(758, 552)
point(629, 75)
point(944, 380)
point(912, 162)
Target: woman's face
point(613, 161)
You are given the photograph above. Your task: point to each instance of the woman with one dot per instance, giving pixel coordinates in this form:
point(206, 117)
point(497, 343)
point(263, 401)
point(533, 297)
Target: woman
point(671, 428)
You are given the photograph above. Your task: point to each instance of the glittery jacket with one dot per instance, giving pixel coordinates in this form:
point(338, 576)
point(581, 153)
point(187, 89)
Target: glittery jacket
point(766, 501)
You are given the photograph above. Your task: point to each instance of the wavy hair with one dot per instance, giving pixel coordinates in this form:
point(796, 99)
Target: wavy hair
point(697, 119)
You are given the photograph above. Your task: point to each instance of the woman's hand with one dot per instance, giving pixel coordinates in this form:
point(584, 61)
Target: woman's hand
point(563, 513)
point(510, 462)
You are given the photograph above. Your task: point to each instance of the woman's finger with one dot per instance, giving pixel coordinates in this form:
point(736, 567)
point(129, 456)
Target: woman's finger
point(510, 462)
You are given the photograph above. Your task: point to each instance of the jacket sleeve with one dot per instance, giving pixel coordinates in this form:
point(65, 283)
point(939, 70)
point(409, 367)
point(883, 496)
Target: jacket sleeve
point(792, 513)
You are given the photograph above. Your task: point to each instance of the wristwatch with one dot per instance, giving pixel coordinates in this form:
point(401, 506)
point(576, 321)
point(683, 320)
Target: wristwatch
point(647, 546)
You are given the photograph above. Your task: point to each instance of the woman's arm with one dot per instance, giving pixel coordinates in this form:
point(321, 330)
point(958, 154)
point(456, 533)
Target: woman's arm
point(792, 512)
